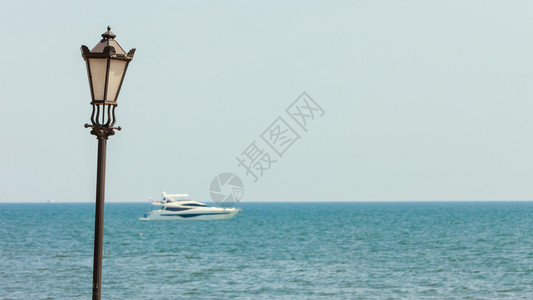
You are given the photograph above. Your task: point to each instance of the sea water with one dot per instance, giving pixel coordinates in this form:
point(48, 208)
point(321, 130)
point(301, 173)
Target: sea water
point(466, 250)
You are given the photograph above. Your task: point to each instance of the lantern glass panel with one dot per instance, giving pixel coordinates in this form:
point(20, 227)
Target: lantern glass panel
point(98, 69)
point(116, 73)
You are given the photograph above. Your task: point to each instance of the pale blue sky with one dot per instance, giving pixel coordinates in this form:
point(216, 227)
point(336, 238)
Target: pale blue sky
point(424, 100)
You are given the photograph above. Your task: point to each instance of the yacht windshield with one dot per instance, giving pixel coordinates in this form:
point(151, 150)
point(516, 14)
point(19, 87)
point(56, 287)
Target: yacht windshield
point(176, 208)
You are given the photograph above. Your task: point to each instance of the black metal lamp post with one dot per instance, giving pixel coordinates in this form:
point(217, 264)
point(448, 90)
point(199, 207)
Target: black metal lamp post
point(106, 63)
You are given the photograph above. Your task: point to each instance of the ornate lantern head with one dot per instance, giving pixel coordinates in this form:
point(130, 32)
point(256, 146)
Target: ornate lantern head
point(106, 63)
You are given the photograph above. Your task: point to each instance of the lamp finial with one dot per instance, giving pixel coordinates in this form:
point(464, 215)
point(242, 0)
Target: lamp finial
point(108, 34)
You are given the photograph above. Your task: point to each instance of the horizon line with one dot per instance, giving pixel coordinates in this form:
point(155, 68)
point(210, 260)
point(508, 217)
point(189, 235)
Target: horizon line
point(355, 201)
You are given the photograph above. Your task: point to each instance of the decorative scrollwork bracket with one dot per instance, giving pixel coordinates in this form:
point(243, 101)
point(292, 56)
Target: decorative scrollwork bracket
point(103, 120)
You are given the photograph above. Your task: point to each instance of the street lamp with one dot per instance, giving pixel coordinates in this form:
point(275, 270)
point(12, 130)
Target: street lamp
point(106, 63)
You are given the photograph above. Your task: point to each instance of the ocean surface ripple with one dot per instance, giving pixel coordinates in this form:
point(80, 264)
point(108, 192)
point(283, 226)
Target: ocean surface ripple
point(442, 250)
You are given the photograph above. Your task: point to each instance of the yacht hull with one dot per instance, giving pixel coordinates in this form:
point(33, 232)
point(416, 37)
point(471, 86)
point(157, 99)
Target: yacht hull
point(161, 215)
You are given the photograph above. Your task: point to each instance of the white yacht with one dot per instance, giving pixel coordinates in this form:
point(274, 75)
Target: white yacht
point(181, 207)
